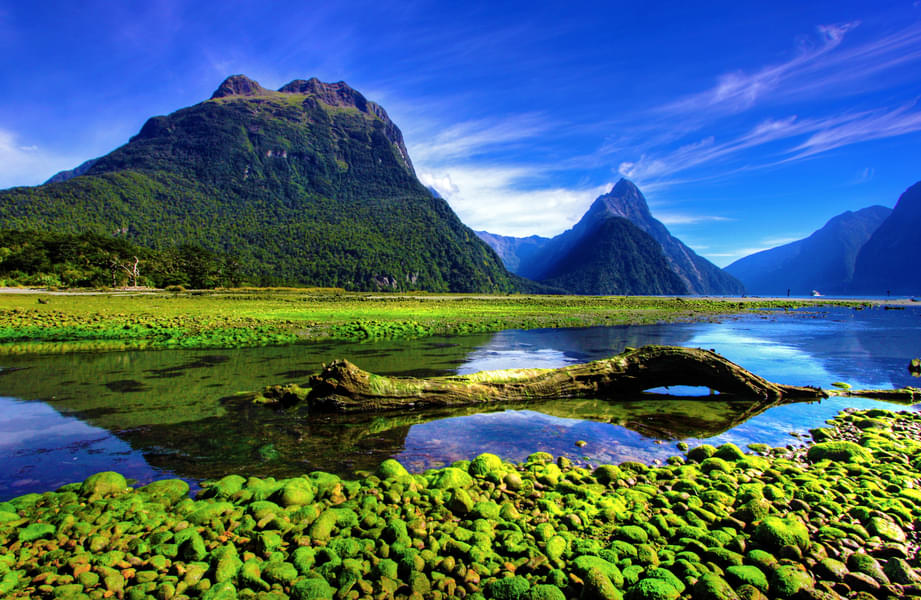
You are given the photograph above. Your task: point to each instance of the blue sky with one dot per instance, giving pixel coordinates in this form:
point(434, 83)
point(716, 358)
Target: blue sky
point(745, 124)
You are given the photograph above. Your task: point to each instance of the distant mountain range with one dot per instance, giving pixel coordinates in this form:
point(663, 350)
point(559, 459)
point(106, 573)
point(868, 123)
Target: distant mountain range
point(617, 247)
point(872, 251)
point(824, 261)
point(310, 184)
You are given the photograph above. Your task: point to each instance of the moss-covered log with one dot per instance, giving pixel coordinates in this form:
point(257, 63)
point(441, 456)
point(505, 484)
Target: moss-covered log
point(342, 386)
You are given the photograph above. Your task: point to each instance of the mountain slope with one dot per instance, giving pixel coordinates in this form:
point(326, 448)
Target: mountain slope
point(823, 261)
point(888, 262)
point(309, 184)
point(614, 257)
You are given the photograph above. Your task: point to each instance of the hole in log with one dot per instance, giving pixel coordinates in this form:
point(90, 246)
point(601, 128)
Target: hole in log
point(683, 390)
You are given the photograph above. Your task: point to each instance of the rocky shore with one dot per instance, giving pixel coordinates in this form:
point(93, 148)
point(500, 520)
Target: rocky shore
point(837, 518)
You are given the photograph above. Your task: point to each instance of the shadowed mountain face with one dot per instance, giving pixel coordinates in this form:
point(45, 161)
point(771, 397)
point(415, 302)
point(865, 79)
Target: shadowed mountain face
point(309, 184)
point(629, 260)
point(823, 261)
point(889, 259)
point(514, 251)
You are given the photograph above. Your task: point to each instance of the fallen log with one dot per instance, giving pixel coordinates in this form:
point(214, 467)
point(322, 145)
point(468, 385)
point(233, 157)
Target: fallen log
point(343, 387)
point(906, 395)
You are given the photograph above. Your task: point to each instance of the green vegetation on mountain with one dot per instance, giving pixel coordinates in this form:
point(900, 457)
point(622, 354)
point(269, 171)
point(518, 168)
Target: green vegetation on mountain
point(308, 185)
point(615, 257)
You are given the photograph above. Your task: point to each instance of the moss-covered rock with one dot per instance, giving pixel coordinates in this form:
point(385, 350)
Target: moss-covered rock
point(773, 533)
point(838, 451)
point(103, 484)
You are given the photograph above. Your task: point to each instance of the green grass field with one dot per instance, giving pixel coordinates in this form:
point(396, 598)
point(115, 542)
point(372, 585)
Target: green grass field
point(236, 318)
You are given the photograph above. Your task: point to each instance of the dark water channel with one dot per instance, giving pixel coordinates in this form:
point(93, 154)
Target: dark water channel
point(161, 414)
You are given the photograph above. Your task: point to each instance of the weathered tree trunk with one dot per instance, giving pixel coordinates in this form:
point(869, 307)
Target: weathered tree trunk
point(342, 386)
point(907, 395)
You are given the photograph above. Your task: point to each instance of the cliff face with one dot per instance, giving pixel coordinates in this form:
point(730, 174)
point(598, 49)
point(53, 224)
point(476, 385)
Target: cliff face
point(888, 261)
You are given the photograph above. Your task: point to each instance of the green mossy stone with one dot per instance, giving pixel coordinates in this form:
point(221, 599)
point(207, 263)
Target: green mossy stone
point(886, 529)
point(840, 451)
point(668, 576)
point(773, 533)
point(391, 468)
point(7, 516)
point(598, 586)
point(103, 484)
point(583, 564)
point(485, 510)
point(788, 581)
point(713, 587)
point(899, 571)
point(170, 490)
point(208, 511)
point(866, 564)
point(224, 590)
point(483, 464)
point(708, 465)
point(296, 492)
point(508, 588)
point(68, 591)
point(556, 547)
point(36, 531)
point(632, 574)
point(701, 453)
point(730, 452)
point(450, 478)
point(607, 474)
point(545, 591)
point(279, 572)
point(747, 575)
point(653, 589)
point(632, 534)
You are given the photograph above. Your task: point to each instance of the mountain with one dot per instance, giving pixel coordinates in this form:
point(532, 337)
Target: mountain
point(624, 258)
point(888, 262)
point(514, 251)
point(823, 261)
point(613, 256)
point(309, 184)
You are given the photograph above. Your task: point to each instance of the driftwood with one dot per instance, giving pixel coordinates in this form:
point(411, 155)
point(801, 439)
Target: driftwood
point(343, 387)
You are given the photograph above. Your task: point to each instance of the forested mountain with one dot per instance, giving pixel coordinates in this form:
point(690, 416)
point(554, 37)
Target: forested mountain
point(888, 262)
point(309, 184)
point(824, 261)
point(629, 260)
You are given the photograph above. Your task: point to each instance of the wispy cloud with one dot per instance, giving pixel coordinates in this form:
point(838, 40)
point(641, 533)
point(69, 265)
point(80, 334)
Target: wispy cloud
point(470, 139)
point(27, 164)
point(738, 90)
point(868, 126)
point(688, 219)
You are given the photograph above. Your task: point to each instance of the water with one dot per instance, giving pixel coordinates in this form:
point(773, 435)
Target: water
point(181, 413)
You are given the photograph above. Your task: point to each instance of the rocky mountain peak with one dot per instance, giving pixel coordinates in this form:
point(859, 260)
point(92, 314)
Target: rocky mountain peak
point(239, 85)
point(624, 200)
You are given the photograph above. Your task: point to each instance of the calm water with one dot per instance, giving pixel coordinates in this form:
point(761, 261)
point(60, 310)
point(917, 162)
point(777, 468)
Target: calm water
point(160, 414)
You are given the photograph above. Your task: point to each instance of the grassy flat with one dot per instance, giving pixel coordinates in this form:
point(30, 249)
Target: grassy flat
point(240, 318)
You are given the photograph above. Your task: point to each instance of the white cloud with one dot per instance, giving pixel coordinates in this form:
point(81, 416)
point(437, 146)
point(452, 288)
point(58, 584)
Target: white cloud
point(494, 199)
point(27, 164)
point(468, 139)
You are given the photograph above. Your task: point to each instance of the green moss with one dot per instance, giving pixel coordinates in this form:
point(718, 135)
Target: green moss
point(774, 532)
point(840, 451)
point(788, 581)
point(653, 589)
point(739, 575)
point(103, 484)
point(508, 588)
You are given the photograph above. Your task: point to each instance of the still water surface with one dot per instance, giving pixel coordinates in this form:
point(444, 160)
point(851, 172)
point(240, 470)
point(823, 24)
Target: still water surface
point(159, 414)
